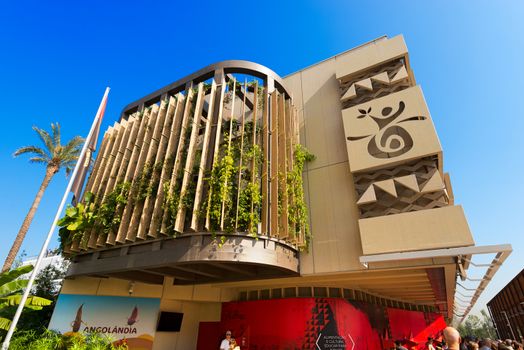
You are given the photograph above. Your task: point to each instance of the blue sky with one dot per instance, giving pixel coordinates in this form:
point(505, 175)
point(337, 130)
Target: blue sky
point(57, 58)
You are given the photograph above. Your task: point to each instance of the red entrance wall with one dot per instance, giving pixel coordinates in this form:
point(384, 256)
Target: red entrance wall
point(321, 323)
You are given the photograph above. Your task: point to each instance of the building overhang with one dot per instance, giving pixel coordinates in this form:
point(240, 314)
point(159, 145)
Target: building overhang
point(191, 259)
point(462, 256)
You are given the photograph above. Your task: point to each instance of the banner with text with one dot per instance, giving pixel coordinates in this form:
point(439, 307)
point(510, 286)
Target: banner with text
point(123, 319)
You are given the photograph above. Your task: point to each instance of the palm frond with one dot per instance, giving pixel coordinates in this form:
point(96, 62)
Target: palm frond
point(14, 274)
point(46, 139)
point(30, 149)
point(55, 128)
point(12, 287)
point(32, 302)
point(40, 160)
point(5, 323)
point(72, 149)
point(75, 142)
point(37, 301)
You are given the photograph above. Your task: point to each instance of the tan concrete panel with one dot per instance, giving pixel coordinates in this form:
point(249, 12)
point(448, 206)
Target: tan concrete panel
point(120, 287)
point(345, 214)
point(80, 285)
point(205, 292)
point(194, 313)
point(324, 242)
point(370, 55)
point(403, 131)
point(177, 292)
point(324, 132)
point(109, 286)
point(420, 230)
point(333, 213)
point(294, 84)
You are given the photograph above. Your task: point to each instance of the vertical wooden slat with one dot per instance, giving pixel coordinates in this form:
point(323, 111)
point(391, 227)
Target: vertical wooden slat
point(120, 144)
point(160, 154)
point(273, 165)
point(120, 176)
point(186, 123)
point(134, 169)
point(265, 160)
point(99, 175)
point(289, 151)
point(180, 219)
point(239, 186)
point(165, 176)
point(103, 174)
point(159, 114)
point(222, 216)
point(216, 148)
point(254, 143)
point(282, 168)
point(99, 159)
point(203, 160)
point(133, 147)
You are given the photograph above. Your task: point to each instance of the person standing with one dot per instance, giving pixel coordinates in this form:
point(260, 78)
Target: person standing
point(452, 337)
point(224, 345)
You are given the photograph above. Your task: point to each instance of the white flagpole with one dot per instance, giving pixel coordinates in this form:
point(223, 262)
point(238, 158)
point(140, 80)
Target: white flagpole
point(7, 340)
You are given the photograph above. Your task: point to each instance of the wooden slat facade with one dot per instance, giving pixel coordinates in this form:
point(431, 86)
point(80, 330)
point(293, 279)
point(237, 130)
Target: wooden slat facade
point(165, 152)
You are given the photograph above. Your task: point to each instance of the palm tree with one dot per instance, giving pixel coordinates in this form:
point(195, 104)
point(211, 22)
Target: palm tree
point(10, 294)
point(54, 156)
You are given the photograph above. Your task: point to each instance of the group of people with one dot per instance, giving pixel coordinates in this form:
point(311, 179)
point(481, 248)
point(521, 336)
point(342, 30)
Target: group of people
point(451, 340)
point(229, 343)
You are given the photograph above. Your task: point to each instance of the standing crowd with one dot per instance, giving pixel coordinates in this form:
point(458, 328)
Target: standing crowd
point(451, 340)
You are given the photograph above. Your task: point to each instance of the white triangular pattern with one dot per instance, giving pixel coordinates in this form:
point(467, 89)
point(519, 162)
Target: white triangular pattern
point(365, 83)
point(408, 181)
point(369, 196)
point(401, 75)
point(350, 93)
point(435, 183)
point(387, 186)
point(381, 78)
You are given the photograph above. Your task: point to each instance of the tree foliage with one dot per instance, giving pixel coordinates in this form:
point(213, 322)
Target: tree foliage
point(11, 287)
point(478, 327)
point(35, 340)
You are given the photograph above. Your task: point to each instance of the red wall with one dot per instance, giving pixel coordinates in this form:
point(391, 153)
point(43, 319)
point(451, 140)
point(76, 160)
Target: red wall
point(302, 323)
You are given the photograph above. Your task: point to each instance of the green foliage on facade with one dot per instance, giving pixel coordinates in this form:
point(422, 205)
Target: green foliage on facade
point(231, 200)
point(297, 212)
point(77, 220)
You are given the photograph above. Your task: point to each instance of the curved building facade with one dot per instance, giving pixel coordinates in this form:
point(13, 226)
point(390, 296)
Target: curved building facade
point(305, 212)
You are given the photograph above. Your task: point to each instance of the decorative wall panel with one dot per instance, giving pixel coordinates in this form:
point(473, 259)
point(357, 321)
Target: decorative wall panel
point(389, 130)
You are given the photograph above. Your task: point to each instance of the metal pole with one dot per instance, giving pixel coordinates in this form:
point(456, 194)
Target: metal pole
point(43, 251)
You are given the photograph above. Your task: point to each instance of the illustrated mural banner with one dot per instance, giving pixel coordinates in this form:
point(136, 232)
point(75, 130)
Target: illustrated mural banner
point(124, 319)
point(320, 324)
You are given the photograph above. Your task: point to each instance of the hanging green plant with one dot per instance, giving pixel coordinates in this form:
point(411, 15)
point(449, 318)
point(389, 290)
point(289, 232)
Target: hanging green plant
point(250, 199)
point(220, 185)
point(110, 211)
point(77, 221)
point(171, 205)
point(298, 213)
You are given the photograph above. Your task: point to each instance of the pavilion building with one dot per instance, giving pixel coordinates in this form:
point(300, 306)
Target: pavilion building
point(304, 212)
